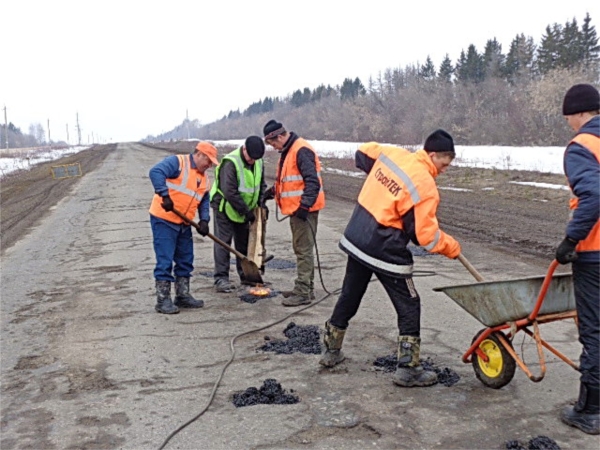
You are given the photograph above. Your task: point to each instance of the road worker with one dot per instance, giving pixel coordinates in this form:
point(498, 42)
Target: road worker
point(180, 182)
point(237, 191)
point(298, 192)
point(581, 246)
point(397, 204)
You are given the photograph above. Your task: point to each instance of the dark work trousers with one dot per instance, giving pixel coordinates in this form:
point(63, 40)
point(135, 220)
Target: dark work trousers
point(586, 284)
point(401, 291)
point(226, 230)
point(173, 244)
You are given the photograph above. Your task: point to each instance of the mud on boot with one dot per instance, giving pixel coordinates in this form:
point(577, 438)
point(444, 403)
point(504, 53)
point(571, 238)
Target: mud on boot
point(585, 414)
point(332, 352)
point(183, 299)
point(409, 371)
point(164, 304)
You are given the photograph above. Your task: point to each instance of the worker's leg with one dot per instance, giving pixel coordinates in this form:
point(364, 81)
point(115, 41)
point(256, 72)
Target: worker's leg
point(223, 229)
point(303, 242)
point(241, 233)
point(164, 241)
point(184, 252)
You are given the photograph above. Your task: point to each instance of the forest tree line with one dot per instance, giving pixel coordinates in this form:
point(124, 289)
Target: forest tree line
point(483, 98)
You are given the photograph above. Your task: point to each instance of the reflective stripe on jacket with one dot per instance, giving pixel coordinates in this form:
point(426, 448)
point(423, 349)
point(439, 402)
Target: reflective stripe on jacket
point(591, 143)
point(186, 191)
point(400, 188)
point(289, 184)
point(249, 180)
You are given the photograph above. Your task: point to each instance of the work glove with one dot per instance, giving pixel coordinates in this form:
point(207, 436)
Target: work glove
point(565, 252)
point(301, 213)
point(203, 228)
point(269, 194)
point(167, 203)
point(250, 217)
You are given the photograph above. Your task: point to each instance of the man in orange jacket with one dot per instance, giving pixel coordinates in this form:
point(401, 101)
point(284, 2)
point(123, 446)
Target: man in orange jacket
point(179, 182)
point(397, 204)
point(581, 247)
point(298, 192)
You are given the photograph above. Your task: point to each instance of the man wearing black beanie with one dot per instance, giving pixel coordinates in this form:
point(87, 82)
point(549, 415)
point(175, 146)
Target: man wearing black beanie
point(298, 192)
point(397, 204)
point(238, 189)
point(581, 246)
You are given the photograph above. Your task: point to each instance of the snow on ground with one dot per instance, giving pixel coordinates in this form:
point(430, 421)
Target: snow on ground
point(535, 159)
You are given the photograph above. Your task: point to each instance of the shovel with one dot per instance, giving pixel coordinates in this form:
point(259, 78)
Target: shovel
point(250, 269)
point(469, 267)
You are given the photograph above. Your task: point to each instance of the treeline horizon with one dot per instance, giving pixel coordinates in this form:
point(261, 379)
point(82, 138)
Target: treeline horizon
point(484, 98)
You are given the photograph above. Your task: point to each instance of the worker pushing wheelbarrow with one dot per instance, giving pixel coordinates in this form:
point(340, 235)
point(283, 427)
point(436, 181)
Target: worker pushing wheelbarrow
point(506, 308)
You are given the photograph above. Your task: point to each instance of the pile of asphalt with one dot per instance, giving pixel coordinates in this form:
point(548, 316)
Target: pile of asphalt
point(249, 298)
point(536, 443)
point(302, 339)
point(280, 264)
point(270, 393)
point(446, 376)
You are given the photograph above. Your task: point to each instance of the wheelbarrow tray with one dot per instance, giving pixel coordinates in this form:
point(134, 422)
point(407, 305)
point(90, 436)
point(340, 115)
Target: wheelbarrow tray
point(496, 302)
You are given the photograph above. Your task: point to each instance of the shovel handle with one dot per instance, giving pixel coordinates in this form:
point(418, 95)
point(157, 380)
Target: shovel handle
point(470, 267)
point(212, 236)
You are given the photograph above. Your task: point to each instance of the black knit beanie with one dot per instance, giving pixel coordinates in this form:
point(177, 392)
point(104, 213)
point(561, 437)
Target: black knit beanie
point(273, 129)
point(255, 147)
point(439, 141)
point(581, 98)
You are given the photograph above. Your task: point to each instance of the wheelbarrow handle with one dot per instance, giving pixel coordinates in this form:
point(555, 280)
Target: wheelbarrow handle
point(470, 267)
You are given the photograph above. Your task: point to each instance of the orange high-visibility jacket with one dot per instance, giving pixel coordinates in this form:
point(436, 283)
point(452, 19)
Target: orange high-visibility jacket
point(289, 184)
point(186, 191)
point(592, 242)
point(398, 202)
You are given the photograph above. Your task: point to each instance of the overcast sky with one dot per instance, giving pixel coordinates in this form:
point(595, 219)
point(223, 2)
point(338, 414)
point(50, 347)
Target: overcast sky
point(133, 68)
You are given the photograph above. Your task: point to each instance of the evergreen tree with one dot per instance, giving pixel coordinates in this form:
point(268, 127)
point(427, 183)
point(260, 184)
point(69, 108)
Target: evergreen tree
point(470, 66)
point(570, 52)
point(548, 51)
point(427, 70)
point(493, 59)
point(446, 70)
point(520, 58)
point(589, 43)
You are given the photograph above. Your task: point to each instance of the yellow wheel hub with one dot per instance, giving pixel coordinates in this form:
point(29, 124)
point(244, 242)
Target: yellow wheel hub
point(493, 367)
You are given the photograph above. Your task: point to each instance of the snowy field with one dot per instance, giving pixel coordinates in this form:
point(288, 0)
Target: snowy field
point(536, 159)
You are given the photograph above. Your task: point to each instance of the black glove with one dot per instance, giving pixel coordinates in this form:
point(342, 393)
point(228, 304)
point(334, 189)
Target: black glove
point(301, 213)
point(268, 195)
point(167, 203)
point(203, 228)
point(565, 252)
point(250, 217)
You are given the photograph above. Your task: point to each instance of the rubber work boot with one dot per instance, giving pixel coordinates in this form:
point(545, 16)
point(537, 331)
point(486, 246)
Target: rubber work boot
point(332, 339)
point(287, 294)
point(183, 299)
point(164, 304)
point(585, 414)
point(223, 285)
point(409, 371)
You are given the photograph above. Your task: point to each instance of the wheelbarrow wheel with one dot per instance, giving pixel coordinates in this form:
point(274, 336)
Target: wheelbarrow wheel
point(500, 368)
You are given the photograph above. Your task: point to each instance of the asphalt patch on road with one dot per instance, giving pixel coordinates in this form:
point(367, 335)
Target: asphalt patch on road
point(270, 393)
point(536, 443)
point(301, 339)
point(446, 376)
point(280, 264)
point(249, 298)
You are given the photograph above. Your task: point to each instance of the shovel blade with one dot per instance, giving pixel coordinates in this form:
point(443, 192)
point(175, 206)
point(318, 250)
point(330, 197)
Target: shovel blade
point(251, 271)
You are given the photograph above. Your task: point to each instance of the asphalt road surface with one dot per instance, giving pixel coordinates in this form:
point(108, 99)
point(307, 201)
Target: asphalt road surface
point(87, 363)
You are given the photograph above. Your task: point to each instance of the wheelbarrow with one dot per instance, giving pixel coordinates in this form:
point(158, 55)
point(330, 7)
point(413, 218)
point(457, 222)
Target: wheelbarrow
point(506, 308)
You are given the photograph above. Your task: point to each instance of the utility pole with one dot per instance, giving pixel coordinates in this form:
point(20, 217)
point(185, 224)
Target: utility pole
point(5, 128)
point(187, 121)
point(67, 134)
point(49, 133)
point(78, 131)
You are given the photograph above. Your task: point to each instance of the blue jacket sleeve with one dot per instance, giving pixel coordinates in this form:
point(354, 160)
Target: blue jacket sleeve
point(583, 172)
point(204, 208)
point(167, 168)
